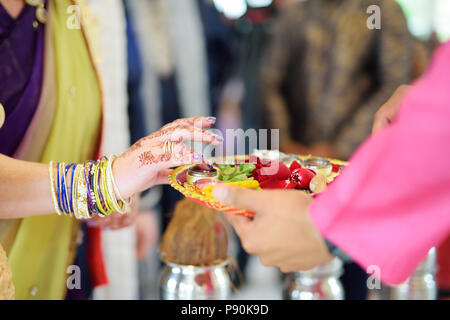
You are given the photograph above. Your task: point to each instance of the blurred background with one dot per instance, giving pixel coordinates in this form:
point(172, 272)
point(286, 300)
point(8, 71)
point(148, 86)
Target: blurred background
point(312, 69)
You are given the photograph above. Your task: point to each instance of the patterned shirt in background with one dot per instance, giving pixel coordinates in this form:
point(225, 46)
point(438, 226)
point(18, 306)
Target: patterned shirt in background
point(326, 73)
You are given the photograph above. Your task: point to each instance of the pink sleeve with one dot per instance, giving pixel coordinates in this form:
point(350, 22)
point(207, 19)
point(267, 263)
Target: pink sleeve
point(392, 204)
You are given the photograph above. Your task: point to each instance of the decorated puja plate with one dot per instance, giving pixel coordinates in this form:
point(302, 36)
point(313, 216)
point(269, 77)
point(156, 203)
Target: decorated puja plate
point(262, 170)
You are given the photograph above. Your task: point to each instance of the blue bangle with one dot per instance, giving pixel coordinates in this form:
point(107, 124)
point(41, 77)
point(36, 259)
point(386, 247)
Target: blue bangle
point(71, 187)
point(63, 190)
point(335, 251)
point(69, 204)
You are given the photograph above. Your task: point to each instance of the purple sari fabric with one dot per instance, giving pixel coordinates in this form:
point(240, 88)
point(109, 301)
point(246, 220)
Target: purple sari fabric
point(21, 68)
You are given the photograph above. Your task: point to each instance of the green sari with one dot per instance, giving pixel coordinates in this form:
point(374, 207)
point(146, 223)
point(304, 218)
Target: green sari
point(65, 128)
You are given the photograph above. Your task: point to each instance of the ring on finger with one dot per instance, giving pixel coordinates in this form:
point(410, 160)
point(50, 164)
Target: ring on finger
point(168, 147)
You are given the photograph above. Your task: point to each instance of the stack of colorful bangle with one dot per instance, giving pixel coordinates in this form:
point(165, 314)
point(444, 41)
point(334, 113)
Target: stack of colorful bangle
point(87, 189)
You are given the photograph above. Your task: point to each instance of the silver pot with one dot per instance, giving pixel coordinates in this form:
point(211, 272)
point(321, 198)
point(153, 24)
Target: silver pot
point(320, 283)
point(180, 282)
point(420, 286)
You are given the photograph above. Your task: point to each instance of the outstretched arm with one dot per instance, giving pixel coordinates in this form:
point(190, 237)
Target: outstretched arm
point(25, 186)
point(24, 189)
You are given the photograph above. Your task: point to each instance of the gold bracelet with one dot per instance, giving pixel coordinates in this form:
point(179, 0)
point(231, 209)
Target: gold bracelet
point(81, 195)
point(114, 191)
point(74, 193)
point(109, 202)
point(97, 190)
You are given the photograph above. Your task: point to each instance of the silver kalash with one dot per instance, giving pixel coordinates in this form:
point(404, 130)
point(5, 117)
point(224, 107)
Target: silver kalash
point(180, 282)
point(420, 286)
point(320, 283)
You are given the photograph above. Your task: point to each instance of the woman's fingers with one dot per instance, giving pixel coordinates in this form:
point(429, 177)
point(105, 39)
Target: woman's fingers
point(192, 134)
point(163, 177)
point(251, 200)
point(182, 155)
point(240, 224)
point(197, 122)
point(184, 130)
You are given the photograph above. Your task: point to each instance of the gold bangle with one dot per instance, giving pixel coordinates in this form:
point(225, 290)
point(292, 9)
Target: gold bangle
point(52, 186)
point(102, 187)
point(97, 191)
point(81, 195)
point(121, 207)
point(118, 206)
point(116, 191)
point(109, 203)
point(74, 193)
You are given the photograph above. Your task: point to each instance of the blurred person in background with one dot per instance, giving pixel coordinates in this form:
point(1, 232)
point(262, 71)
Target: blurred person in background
point(219, 42)
point(242, 97)
point(178, 55)
point(326, 74)
point(106, 22)
point(138, 232)
point(251, 33)
point(174, 67)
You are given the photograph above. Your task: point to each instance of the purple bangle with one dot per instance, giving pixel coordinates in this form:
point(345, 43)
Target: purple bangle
point(92, 180)
point(100, 195)
point(87, 169)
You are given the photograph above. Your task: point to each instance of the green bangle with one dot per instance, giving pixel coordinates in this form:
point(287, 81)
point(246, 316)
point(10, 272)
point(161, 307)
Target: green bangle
point(335, 251)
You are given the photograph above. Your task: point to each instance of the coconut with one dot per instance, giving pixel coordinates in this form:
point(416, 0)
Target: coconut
point(195, 236)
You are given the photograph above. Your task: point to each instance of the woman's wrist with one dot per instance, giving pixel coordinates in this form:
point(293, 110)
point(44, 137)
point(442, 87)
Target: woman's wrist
point(124, 177)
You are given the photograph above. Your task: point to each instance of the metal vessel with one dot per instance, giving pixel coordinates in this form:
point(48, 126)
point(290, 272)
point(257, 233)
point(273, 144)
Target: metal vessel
point(196, 173)
point(320, 283)
point(319, 165)
point(420, 286)
point(180, 282)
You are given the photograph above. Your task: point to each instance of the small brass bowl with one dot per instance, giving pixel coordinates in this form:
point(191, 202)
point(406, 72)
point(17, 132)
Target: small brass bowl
point(195, 174)
point(319, 165)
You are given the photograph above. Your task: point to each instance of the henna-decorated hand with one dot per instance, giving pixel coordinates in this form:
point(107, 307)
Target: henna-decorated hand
point(147, 162)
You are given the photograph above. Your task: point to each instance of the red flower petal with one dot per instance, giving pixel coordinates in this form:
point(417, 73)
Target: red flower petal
point(277, 171)
point(253, 159)
point(278, 184)
point(295, 165)
point(290, 184)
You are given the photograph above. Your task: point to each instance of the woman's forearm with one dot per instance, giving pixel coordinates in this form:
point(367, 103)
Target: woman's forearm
point(24, 189)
